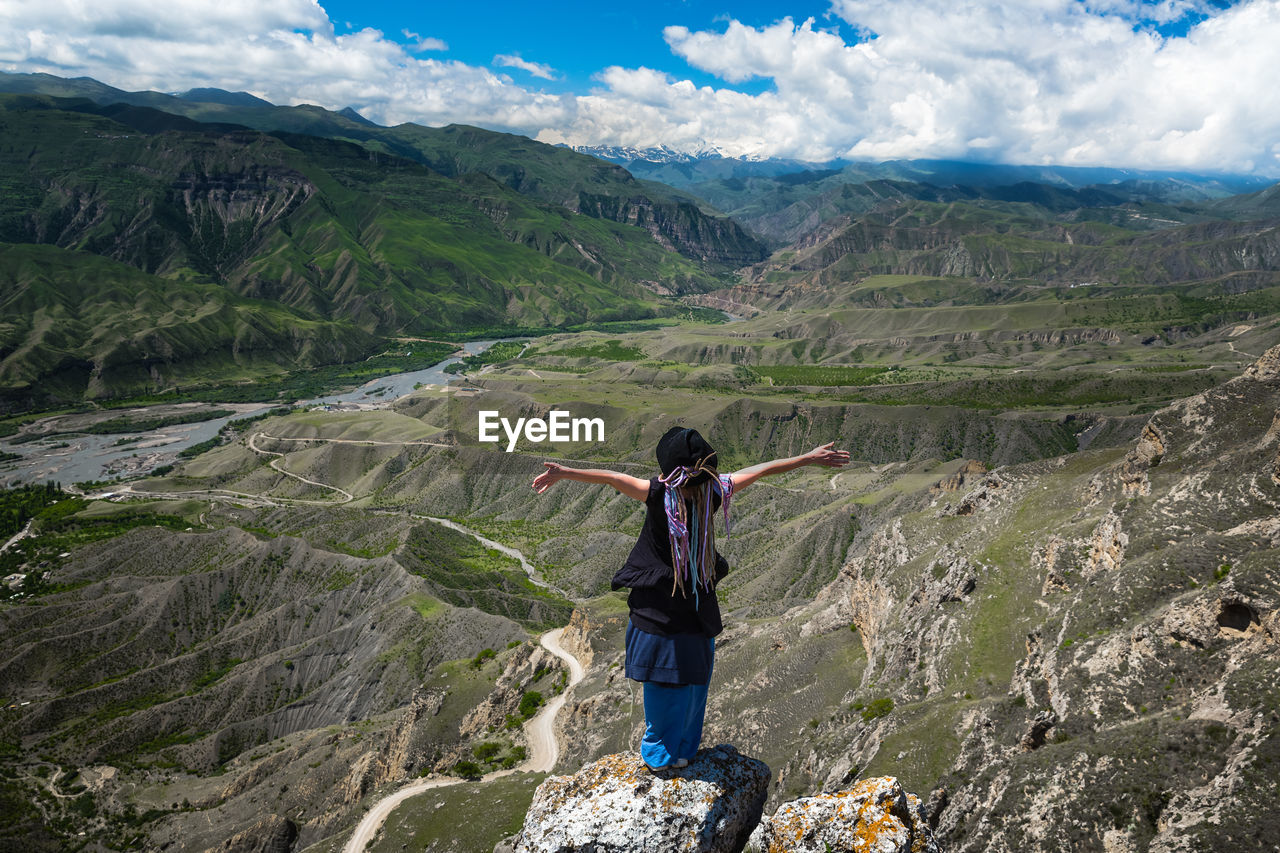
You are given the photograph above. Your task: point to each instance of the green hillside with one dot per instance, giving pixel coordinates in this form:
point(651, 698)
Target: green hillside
point(1009, 242)
point(580, 184)
point(78, 323)
point(322, 247)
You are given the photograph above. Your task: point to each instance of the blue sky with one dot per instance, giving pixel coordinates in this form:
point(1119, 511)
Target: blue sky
point(1174, 84)
point(576, 38)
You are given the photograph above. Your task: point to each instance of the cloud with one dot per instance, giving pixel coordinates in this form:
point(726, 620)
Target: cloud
point(1172, 84)
point(537, 69)
point(1034, 82)
point(286, 51)
point(163, 20)
point(420, 44)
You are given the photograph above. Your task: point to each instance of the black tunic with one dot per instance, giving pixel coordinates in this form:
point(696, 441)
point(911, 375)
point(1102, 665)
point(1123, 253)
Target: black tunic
point(648, 574)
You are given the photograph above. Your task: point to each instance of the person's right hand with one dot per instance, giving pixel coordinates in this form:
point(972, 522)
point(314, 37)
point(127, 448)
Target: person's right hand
point(827, 455)
point(544, 480)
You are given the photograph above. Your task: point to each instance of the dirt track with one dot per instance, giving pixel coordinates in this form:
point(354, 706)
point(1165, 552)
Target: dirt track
point(544, 751)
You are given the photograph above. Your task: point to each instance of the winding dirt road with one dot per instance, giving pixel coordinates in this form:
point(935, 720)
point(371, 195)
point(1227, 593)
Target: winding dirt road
point(498, 546)
point(369, 442)
point(347, 497)
point(544, 751)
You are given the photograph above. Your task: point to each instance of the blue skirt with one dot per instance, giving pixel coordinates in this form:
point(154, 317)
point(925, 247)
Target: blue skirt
point(678, 659)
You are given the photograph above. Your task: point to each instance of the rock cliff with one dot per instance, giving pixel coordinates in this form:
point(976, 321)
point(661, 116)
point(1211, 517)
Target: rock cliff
point(677, 226)
point(615, 805)
point(874, 815)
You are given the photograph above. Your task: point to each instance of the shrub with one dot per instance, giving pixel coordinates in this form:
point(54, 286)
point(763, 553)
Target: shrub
point(877, 708)
point(530, 703)
point(467, 770)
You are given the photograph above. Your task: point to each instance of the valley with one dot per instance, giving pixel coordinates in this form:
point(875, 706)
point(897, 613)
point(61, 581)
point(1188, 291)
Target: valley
point(322, 513)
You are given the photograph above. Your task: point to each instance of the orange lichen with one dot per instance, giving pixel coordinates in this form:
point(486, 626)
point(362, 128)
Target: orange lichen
point(857, 820)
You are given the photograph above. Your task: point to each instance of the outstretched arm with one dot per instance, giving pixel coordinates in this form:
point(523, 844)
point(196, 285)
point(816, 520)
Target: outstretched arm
point(632, 487)
point(825, 455)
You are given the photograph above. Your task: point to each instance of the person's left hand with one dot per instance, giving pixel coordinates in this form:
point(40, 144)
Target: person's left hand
point(827, 455)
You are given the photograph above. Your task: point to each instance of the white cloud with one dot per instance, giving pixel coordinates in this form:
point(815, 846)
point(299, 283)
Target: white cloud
point(163, 20)
point(285, 51)
point(1035, 81)
point(537, 69)
point(1031, 81)
point(420, 44)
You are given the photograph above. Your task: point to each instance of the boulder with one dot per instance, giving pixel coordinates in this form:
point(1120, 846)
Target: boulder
point(874, 816)
point(616, 804)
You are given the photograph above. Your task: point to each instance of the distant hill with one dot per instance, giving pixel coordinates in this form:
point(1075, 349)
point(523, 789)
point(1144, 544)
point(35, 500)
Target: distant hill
point(784, 208)
point(349, 113)
point(687, 170)
point(77, 324)
point(362, 232)
point(782, 200)
point(1025, 242)
point(316, 238)
point(580, 183)
point(222, 96)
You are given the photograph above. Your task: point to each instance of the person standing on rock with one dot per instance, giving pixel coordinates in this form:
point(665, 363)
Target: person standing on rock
point(672, 573)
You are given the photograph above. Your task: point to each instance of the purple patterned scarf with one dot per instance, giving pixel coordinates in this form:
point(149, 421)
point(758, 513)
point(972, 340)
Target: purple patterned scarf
point(689, 532)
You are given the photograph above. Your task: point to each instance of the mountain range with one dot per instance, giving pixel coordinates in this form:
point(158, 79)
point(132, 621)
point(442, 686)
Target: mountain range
point(299, 236)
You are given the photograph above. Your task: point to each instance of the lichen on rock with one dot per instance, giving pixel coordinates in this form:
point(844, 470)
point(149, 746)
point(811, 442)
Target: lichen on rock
point(874, 816)
point(616, 804)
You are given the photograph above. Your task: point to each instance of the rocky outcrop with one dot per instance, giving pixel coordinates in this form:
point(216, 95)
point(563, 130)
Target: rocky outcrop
point(874, 815)
point(1051, 558)
point(576, 639)
point(1227, 615)
point(1106, 549)
point(402, 753)
point(527, 665)
point(1266, 368)
point(678, 226)
point(972, 469)
point(1133, 468)
point(980, 497)
point(1037, 731)
point(1150, 449)
point(272, 834)
point(616, 805)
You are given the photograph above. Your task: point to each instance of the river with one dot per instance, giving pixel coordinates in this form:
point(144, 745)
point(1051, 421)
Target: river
point(80, 457)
